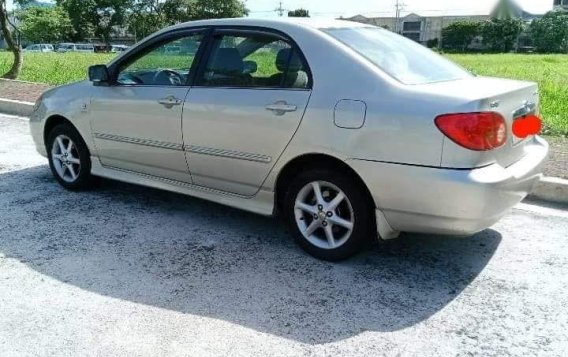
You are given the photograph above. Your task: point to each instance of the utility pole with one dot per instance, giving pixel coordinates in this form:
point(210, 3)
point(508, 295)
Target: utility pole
point(398, 9)
point(280, 10)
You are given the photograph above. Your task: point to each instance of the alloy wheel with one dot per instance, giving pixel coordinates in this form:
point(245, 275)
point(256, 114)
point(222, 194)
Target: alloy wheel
point(324, 215)
point(65, 158)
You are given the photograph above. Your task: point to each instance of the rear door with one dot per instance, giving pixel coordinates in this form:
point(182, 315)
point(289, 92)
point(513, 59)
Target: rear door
point(248, 102)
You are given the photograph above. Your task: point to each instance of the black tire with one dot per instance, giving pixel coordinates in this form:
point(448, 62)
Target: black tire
point(83, 176)
point(364, 226)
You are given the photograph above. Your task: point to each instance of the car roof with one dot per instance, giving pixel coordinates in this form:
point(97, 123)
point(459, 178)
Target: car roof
point(279, 24)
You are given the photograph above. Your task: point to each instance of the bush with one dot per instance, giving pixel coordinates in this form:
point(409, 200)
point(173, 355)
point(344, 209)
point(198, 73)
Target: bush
point(458, 36)
point(501, 35)
point(432, 43)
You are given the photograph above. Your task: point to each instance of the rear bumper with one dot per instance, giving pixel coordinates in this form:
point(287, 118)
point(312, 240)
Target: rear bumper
point(444, 201)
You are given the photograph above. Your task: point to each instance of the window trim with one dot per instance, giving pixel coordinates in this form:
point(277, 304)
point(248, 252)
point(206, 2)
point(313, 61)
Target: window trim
point(247, 30)
point(153, 43)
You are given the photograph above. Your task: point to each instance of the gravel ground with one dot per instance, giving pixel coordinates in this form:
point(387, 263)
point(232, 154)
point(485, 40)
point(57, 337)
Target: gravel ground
point(558, 161)
point(125, 270)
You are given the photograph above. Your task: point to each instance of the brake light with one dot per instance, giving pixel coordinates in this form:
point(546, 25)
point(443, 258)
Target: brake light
point(481, 131)
point(527, 126)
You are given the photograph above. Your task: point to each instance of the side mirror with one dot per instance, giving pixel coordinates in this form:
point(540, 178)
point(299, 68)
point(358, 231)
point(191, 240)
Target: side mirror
point(250, 67)
point(99, 74)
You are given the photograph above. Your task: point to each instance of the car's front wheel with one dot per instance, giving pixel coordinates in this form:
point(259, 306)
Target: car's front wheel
point(330, 214)
point(69, 157)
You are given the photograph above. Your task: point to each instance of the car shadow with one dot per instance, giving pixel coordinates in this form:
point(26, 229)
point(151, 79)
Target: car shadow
point(195, 257)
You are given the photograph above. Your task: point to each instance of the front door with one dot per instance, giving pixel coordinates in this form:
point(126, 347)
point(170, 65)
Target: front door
point(136, 121)
point(248, 102)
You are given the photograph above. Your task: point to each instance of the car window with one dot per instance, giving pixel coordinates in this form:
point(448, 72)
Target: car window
point(167, 64)
point(405, 60)
point(255, 60)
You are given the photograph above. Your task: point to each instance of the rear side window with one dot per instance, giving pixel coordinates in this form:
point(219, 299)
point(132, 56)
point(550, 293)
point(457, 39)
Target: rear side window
point(254, 60)
point(405, 60)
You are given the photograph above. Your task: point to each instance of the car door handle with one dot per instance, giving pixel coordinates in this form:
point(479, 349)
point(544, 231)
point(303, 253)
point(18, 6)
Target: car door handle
point(170, 101)
point(280, 108)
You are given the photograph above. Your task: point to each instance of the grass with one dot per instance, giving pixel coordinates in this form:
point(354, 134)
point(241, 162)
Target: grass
point(54, 68)
point(550, 71)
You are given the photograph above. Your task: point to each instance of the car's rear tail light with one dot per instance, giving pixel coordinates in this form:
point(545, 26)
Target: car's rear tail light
point(475, 131)
point(527, 126)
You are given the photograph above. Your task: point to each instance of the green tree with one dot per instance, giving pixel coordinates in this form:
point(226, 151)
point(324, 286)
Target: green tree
point(299, 13)
point(148, 16)
point(501, 35)
point(218, 9)
point(177, 11)
point(8, 33)
point(44, 24)
point(96, 17)
point(550, 33)
point(458, 35)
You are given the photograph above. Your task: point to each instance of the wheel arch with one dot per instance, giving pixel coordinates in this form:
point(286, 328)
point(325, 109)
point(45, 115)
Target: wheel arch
point(52, 122)
point(56, 120)
point(315, 160)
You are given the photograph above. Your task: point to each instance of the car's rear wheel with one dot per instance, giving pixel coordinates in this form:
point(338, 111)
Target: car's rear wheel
point(69, 157)
point(330, 214)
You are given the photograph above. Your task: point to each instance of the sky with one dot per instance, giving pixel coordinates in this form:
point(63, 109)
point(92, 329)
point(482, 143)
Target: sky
point(379, 8)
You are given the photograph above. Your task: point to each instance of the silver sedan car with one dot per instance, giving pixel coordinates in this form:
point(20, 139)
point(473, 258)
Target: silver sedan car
point(347, 130)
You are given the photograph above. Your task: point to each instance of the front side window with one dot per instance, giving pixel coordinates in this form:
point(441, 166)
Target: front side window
point(403, 59)
point(167, 64)
point(254, 60)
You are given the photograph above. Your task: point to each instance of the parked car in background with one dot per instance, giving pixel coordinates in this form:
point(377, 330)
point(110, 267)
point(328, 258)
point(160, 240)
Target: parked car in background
point(43, 47)
point(348, 130)
point(73, 47)
point(118, 48)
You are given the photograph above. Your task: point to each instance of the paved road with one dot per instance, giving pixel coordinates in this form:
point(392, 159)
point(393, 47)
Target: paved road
point(125, 270)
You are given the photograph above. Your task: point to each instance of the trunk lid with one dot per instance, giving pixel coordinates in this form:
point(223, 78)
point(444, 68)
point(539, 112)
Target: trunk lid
point(512, 99)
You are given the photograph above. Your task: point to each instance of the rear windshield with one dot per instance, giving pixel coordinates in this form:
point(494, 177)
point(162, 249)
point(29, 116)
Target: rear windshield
point(405, 60)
